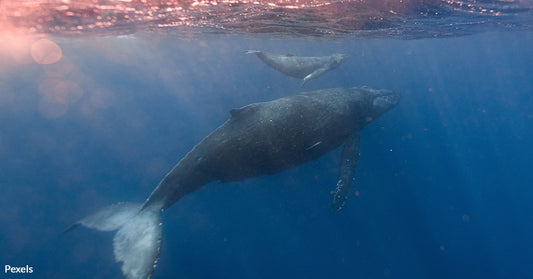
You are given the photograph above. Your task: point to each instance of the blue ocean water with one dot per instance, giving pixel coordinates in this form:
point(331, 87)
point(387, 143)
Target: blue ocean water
point(443, 184)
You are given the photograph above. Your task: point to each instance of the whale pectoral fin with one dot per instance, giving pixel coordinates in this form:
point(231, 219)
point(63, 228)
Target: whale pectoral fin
point(316, 73)
point(252, 51)
point(349, 157)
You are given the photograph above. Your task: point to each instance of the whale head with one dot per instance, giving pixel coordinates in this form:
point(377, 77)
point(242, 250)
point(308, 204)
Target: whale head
point(384, 100)
point(375, 102)
point(338, 58)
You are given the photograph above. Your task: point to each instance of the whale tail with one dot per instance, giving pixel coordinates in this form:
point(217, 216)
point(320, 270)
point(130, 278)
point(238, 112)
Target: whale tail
point(138, 239)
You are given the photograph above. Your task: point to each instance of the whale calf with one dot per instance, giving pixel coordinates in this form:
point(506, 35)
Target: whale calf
point(305, 68)
point(259, 139)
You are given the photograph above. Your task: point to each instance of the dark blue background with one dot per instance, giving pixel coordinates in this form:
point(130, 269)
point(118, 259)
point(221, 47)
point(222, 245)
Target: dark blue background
point(444, 180)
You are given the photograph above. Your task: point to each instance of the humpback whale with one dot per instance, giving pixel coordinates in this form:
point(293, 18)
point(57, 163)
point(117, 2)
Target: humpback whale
point(305, 68)
point(259, 139)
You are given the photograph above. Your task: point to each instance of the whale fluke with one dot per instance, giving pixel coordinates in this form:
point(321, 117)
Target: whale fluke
point(138, 239)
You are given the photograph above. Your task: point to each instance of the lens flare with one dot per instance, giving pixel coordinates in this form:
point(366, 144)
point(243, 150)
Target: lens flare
point(45, 51)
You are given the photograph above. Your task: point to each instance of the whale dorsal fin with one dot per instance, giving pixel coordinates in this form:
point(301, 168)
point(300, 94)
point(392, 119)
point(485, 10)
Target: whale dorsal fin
point(242, 112)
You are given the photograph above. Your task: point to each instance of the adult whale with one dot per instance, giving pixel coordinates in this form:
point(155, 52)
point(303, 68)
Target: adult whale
point(305, 68)
point(258, 139)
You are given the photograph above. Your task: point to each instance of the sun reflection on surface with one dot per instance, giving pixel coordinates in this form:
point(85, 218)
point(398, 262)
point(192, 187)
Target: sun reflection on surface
point(305, 17)
point(15, 48)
